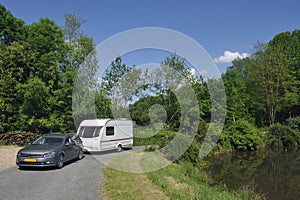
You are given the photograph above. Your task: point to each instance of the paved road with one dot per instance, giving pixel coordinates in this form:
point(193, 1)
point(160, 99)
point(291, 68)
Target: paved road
point(77, 180)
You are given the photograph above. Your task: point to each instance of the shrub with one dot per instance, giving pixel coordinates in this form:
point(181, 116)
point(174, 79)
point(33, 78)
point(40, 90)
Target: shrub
point(283, 136)
point(294, 123)
point(161, 138)
point(241, 136)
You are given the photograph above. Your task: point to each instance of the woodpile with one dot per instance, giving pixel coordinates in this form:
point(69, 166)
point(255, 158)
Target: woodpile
point(21, 139)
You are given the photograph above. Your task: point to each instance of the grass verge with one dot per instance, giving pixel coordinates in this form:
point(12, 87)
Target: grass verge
point(2, 143)
point(176, 181)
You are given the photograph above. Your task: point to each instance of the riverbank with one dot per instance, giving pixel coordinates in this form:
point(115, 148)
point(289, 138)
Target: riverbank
point(273, 172)
point(176, 181)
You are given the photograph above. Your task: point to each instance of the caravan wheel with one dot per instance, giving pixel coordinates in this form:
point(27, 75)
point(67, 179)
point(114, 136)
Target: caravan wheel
point(119, 148)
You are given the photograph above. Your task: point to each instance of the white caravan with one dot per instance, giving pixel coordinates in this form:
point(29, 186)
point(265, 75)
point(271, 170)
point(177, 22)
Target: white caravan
point(106, 134)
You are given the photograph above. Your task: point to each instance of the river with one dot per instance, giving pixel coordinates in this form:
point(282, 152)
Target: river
point(276, 174)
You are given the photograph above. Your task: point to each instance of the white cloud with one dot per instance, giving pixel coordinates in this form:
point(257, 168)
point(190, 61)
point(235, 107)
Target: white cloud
point(229, 56)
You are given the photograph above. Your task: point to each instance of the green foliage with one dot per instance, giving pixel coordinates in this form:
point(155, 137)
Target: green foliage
point(40, 61)
point(191, 155)
point(241, 136)
point(2, 143)
point(146, 137)
point(37, 74)
point(185, 181)
point(294, 123)
point(103, 106)
point(236, 93)
point(11, 28)
point(176, 181)
point(35, 94)
point(283, 136)
point(139, 111)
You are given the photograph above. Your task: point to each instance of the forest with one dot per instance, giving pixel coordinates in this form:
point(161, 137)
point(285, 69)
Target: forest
point(39, 64)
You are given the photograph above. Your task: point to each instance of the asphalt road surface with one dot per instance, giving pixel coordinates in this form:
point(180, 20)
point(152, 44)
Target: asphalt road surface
point(80, 180)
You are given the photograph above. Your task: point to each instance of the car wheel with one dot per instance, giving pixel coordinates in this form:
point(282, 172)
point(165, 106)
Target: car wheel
point(119, 148)
point(60, 161)
point(80, 154)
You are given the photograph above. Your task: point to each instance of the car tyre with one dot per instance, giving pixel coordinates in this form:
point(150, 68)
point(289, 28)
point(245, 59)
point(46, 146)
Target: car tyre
point(80, 154)
point(60, 161)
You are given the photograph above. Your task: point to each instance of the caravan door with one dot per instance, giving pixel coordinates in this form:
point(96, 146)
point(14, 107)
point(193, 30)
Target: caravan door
point(90, 137)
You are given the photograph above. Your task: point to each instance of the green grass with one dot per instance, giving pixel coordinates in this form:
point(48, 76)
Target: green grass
point(183, 181)
point(2, 143)
point(176, 181)
point(120, 184)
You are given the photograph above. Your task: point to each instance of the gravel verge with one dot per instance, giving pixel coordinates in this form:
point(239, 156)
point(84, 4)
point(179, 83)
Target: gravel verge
point(8, 156)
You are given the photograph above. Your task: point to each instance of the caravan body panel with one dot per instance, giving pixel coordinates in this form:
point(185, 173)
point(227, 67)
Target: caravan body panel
point(106, 134)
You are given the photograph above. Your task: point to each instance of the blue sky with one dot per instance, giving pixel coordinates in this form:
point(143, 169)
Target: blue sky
point(219, 26)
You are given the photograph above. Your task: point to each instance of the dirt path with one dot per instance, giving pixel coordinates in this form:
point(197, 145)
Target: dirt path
point(8, 156)
point(131, 163)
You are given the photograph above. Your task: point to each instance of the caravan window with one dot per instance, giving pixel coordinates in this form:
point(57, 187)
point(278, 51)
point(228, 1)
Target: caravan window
point(88, 132)
point(97, 132)
point(80, 131)
point(110, 131)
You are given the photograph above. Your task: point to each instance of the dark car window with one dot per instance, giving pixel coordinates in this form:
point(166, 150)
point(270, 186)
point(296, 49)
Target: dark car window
point(52, 140)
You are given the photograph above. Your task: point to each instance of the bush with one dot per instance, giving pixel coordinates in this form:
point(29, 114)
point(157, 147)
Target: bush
point(161, 138)
point(240, 136)
point(294, 123)
point(283, 136)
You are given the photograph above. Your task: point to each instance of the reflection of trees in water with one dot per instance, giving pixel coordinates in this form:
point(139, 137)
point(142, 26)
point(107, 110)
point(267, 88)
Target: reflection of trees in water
point(274, 173)
point(235, 169)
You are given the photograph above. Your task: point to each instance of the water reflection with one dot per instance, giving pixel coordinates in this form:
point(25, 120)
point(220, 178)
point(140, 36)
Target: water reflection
point(274, 173)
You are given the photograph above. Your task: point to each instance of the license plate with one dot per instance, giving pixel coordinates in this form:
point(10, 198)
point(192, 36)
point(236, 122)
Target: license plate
point(30, 159)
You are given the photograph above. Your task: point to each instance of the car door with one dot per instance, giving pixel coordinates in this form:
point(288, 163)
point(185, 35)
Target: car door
point(69, 149)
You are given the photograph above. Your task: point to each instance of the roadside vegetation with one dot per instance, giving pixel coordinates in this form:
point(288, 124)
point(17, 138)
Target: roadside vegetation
point(39, 64)
point(177, 181)
point(2, 143)
point(38, 74)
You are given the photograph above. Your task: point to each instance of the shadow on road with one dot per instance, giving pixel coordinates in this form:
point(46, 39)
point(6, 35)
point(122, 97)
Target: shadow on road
point(107, 152)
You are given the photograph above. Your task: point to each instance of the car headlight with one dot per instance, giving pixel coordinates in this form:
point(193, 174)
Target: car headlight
point(49, 154)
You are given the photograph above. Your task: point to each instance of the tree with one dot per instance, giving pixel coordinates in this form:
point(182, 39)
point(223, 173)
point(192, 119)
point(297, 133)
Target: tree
point(72, 28)
point(11, 28)
point(35, 109)
point(170, 85)
point(121, 84)
point(12, 55)
point(114, 74)
point(236, 92)
point(271, 79)
point(289, 42)
point(77, 77)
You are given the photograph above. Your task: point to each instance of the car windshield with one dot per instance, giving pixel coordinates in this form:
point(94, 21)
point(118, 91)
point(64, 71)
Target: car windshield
point(48, 140)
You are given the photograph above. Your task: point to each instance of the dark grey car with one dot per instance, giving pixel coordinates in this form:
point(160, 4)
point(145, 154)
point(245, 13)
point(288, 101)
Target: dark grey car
point(50, 150)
